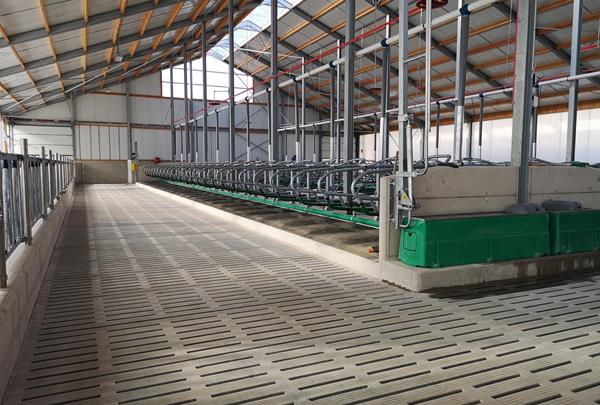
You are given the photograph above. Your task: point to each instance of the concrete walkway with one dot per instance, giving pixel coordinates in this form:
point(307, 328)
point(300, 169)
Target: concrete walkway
point(147, 301)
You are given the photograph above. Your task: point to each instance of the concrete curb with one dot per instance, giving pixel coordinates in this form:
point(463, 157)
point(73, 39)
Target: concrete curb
point(411, 278)
point(27, 267)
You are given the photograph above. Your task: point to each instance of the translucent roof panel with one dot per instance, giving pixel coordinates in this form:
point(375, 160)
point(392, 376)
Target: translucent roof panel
point(251, 26)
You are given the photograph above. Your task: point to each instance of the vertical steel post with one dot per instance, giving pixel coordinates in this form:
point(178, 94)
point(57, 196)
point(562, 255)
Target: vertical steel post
point(574, 85)
point(333, 134)
point(480, 142)
point(297, 122)
point(402, 88)
point(172, 110)
point(186, 108)
point(231, 74)
point(384, 142)
point(204, 96)
point(129, 132)
point(51, 168)
point(303, 113)
point(27, 195)
point(44, 171)
point(461, 77)
point(135, 162)
point(217, 142)
point(276, 154)
point(522, 99)
point(248, 149)
point(534, 120)
point(349, 92)
point(269, 128)
point(3, 274)
point(73, 121)
point(193, 137)
point(182, 156)
point(338, 105)
point(437, 128)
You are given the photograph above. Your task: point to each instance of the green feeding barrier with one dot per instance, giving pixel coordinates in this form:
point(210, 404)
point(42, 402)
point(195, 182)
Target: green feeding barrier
point(574, 231)
point(451, 241)
point(359, 220)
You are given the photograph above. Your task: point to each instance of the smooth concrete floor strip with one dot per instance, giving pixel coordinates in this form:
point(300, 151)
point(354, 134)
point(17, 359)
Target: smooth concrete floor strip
point(147, 301)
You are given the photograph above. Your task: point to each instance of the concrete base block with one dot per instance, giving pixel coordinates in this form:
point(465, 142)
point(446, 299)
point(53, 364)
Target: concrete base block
point(26, 270)
point(419, 279)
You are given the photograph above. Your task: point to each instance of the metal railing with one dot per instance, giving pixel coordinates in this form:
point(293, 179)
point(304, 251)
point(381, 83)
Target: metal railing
point(31, 186)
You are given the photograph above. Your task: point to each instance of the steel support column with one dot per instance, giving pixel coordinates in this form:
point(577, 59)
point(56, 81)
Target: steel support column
point(172, 109)
point(303, 114)
point(129, 133)
point(27, 192)
point(349, 91)
point(384, 137)
point(574, 85)
point(274, 95)
point(217, 141)
point(231, 74)
point(402, 84)
point(193, 139)
point(522, 99)
point(333, 133)
point(338, 105)
point(462, 46)
point(204, 97)
point(248, 143)
point(534, 120)
point(297, 122)
point(186, 108)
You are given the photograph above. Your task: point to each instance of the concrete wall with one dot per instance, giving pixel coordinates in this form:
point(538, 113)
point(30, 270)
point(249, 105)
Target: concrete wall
point(26, 271)
point(107, 171)
point(566, 183)
point(446, 191)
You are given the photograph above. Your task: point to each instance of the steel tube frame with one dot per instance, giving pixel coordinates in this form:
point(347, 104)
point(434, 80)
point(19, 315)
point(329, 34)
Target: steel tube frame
point(44, 172)
point(349, 91)
point(535, 113)
point(480, 140)
point(217, 141)
point(333, 133)
point(231, 76)
point(574, 69)
point(248, 145)
point(27, 197)
point(172, 108)
point(297, 145)
point(462, 46)
point(186, 107)
point(274, 89)
point(384, 141)
point(522, 96)
point(338, 106)
point(204, 96)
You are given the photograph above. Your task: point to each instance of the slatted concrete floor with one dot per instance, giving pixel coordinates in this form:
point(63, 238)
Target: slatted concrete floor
point(151, 302)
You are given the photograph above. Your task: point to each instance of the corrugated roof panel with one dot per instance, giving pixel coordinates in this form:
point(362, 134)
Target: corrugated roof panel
point(20, 16)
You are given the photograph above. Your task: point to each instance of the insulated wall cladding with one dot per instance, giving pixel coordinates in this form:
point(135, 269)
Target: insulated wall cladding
point(56, 139)
point(104, 142)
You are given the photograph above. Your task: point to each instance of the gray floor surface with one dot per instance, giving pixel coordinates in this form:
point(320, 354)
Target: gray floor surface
point(148, 301)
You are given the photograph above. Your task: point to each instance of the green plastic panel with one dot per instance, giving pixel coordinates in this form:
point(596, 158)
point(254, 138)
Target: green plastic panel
point(453, 241)
point(574, 232)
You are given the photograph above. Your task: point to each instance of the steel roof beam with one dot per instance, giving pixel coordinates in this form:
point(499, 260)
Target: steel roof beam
point(79, 23)
point(323, 27)
point(102, 46)
point(544, 40)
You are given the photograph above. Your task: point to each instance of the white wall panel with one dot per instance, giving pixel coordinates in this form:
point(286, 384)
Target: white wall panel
point(57, 139)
